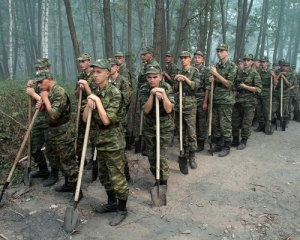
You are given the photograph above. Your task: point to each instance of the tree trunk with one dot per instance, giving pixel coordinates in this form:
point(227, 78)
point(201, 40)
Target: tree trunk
point(72, 30)
point(61, 40)
point(129, 46)
point(10, 42)
point(265, 27)
point(107, 29)
point(210, 33)
point(277, 39)
point(158, 28)
point(296, 46)
point(223, 21)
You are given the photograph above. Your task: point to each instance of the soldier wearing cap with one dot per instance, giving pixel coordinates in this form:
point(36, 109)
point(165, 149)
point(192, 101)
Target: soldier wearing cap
point(263, 100)
point(85, 84)
point(190, 78)
point(125, 88)
point(285, 76)
point(123, 70)
point(39, 133)
point(294, 99)
point(171, 69)
point(57, 106)
point(157, 88)
point(223, 76)
point(147, 59)
point(202, 99)
point(256, 64)
point(240, 64)
point(107, 113)
point(246, 84)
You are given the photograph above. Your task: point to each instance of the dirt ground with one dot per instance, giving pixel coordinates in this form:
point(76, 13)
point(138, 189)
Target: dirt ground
point(250, 194)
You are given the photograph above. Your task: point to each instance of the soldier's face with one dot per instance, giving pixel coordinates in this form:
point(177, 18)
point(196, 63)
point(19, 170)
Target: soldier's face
point(100, 75)
point(84, 64)
point(169, 59)
point(146, 57)
point(198, 59)
point(247, 63)
point(257, 64)
point(185, 61)
point(113, 69)
point(264, 65)
point(44, 84)
point(121, 60)
point(285, 68)
point(222, 54)
point(240, 65)
point(154, 80)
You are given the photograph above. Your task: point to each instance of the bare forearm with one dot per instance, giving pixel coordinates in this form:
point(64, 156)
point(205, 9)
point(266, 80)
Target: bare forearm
point(149, 104)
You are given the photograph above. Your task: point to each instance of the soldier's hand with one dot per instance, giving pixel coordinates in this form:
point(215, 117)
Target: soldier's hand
point(81, 83)
point(92, 98)
point(204, 107)
point(44, 94)
point(211, 78)
point(30, 83)
point(242, 85)
point(30, 91)
point(213, 70)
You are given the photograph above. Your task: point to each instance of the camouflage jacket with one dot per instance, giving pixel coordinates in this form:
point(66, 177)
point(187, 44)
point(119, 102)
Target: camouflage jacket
point(40, 122)
point(286, 88)
point(265, 76)
point(142, 76)
point(60, 106)
point(222, 94)
point(109, 139)
point(294, 92)
point(204, 83)
point(172, 71)
point(124, 71)
point(166, 121)
point(250, 78)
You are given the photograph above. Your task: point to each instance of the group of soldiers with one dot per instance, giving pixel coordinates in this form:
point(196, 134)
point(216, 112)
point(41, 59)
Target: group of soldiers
point(104, 88)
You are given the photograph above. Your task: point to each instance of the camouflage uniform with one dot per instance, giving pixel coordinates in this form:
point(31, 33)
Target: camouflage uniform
point(244, 108)
point(110, 142)
point(166, 130)
point(294, 101)
point(124, 71)
point(172, 71)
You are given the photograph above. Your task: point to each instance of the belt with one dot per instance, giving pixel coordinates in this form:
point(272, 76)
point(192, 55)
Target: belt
point(201, 90)
point(188, 94)
point(266, 85)
point(278, 88)
point(110, 126)
point(244, 91)
point(217, 84)
point(163, 114)
point(57, 124)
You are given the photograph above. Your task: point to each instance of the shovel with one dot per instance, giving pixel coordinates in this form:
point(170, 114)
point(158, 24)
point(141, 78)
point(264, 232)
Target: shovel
point(94, 172)
point(140, 143)
point(77, 118)
point(269, 130)
point(28, 169)
point(158, 192)
point(71, 214)
point(19, 154)
point(210, 117)
point(183, 165)
point(280, 123)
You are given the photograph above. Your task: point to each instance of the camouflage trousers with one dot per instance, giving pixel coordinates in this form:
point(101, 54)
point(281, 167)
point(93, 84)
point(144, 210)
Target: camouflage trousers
point(37, 140)
point(221, 121)
point(80, 138)
point(150, 139)
point(276, 107)
point(62, 140)
point(188, 129)
point(111, 172)
point(294, 104)
point(263, 103)
point(201, 122)
point(242, 116)
point(259, 109)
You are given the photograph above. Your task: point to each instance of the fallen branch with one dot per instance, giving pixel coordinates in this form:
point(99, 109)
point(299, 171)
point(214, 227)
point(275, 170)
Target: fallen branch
point(179, 200)
point(133, 221)
point(10, 117)
point(3, 237)
point(21, 192)
point(18, 213)
point(254, 184)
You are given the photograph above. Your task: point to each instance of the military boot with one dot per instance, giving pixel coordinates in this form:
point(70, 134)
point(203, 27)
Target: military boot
point(242, 144)
point(186, 152)
point(192, 159)
point(226, 149)
point(121, 213)
point(260, 127)
point(219, 146)
point(127, 173)
point(52, 179)
point(200, 146)
point(111, 205)
point(235, 141)
point(67, 186)
point(43, 172)
point(80, 196)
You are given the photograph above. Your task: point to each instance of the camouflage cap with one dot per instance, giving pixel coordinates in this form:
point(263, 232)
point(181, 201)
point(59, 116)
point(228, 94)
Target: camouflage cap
point(119, 54)
point(169, 54)
point(264, 59)
point(222, 46)
point(199, 53)
point(256, 59)
point(101, 63)
point(293, 66)
point(275, 64)
point(239, 60)
point(153, 70)
point(42, 63)
point(281, 61)
point(287, 64)
point(147, 49)
point(113, 61)
point(185, 54)
point(84, 56)
point(248, 56)
point(41, 75)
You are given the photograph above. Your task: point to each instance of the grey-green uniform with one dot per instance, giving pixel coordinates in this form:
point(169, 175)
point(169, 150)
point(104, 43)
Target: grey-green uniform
point(149, 130)
point(123, 70)
point(244, 108)
point(171, 70)
point(294, 99)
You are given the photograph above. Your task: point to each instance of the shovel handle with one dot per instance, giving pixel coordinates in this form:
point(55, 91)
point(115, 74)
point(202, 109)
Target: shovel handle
point(29, 142)
point(210, 107)
point(141, 123)
point(281, 97)
point(271, 98)
point(77, 117)
point(85, 142)
point(180, 116)
point(157, 138)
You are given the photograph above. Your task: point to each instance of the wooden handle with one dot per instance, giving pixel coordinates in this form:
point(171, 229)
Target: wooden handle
point(180, 116)
point(281, 97)
point(29, 141)
point(157, 138)
point(142, 121)
point(271, 98)
point(77, 117)
point(210, 107)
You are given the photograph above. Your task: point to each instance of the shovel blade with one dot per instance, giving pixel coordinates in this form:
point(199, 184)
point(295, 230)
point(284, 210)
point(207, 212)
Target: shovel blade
point(283, 124)
point(27, 177)
point(278, 125)
point(210, 146)
point(94, 172)
point(159, 195)
point(138, 145)
point(70, 219)
point(269, 129)
point(183, 165)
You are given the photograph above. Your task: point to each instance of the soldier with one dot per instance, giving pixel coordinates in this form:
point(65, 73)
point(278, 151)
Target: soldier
point(57, 105)
point(86, 76)
point(107, 113)
point(171, 69)
point(123, 70)
point(263, 104)
point(39, 134)
point(190, 78)
point(148, 92)
point(125, 88)
point(202, 94)
point(256, 64)
point(294, 101)
point(240, 64)
point(275, 66)
point(223, 76)
point(247, 83)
